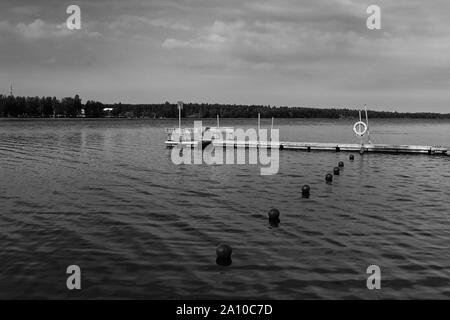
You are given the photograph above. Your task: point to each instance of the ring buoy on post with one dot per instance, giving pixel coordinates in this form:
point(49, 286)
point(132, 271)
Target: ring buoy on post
point(360, 128)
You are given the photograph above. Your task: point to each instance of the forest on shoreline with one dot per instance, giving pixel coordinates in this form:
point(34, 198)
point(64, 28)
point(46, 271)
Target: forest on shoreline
point(72, 107)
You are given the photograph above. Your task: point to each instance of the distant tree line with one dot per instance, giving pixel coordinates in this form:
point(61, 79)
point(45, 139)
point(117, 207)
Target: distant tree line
point(47, 107)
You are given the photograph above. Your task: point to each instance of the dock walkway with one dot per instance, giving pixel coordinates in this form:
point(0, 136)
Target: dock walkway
point(336, 147)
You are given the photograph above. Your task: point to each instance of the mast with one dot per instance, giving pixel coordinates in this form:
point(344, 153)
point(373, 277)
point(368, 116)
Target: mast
point(367, 122)
point(271, 130)
point(180, 106)
point(362, 137)
point(259, 124)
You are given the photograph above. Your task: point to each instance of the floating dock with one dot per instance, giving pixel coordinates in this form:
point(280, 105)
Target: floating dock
point(337, 147)
point(223, 137)
point(318, 146)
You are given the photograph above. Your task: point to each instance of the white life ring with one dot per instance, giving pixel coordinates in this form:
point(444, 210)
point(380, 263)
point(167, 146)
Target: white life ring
point(360, 128)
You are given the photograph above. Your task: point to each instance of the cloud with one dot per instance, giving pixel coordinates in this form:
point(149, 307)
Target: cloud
point(291, 36)
point(168, 23)
point(270, 42)
point(215, 37)
point(142, 22)
point(38, 30)
point(174, 44)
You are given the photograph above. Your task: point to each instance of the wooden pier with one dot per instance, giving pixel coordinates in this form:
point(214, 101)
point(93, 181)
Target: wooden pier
point(223, 137)
point(318, 146)
point(336, 147)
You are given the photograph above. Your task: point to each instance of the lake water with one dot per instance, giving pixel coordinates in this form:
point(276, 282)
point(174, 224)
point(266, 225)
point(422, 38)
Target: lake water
point(104, 195)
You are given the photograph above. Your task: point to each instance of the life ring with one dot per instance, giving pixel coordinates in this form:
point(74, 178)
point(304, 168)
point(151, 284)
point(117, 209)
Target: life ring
point(360, 128)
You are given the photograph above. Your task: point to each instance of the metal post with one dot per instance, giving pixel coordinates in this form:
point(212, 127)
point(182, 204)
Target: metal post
point(362, 137)
point(180, 106)
point(367, 122)
point(179, 123)
point(218, 124)
point(271, 130)
point(259, 124)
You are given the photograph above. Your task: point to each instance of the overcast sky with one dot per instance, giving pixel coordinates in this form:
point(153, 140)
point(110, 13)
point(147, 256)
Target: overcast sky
point(315, 53)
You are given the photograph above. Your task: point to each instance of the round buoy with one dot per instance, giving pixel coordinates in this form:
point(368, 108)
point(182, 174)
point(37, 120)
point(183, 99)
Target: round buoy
point(329, 177)
point(274, 214)
point(224, 251)
point(336, 171)
point(274, 217)
point(306, 190)
point(352, 157)
point(223, 255)
point(341, 164)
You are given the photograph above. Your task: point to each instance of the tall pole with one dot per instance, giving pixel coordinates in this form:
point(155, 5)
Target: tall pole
point(367, 122)
point(271, 130)
point(180, 106)
point(362, 137)
point(259, 124)
point(218, 124)
point(259, 121)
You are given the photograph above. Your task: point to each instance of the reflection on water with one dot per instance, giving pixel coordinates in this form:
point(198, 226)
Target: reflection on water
point(104, 195)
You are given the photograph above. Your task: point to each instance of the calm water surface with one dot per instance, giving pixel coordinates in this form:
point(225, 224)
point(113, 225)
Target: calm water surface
point(105, 195)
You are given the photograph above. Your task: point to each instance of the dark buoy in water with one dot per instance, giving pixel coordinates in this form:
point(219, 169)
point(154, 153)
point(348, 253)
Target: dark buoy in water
point(274, 214)
point(224, 251)
point(224, 255)
point(336, 171)
point(306, 191)
point(274, 217)
point(341, 164)
point(352, 157)
point(329, 178)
